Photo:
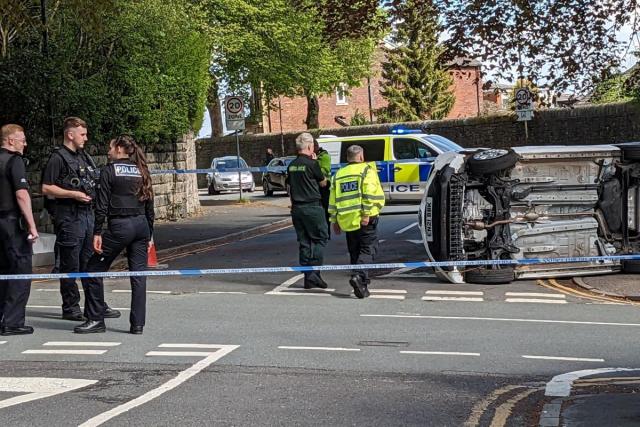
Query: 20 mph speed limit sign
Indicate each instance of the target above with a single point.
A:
(234, 112)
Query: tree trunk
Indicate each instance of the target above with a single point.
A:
(313, 111)
(214, 107)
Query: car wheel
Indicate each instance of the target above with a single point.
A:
(630, 151)
(490, 161)
(488, 276)
(268, 192)
(212, 191)
(631, 266)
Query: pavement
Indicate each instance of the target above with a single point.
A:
(618, 286)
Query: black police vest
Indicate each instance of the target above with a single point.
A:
(124, 199)
(81, 176)
(8, 202)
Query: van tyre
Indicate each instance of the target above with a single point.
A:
(631, 266)
(485, 162)
(630, 151)
(487, 276)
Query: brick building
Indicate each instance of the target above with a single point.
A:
(338, 108)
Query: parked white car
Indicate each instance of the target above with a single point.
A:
(229, 180)
(533, 202)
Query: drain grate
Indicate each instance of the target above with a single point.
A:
(384, 343)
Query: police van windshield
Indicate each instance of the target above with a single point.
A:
(230, 164)
(442, 143)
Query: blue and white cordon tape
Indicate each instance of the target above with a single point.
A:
(393, 265)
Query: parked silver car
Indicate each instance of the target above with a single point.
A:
(533, 202)
(228, 181)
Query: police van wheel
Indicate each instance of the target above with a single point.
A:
(490, 161)
(631, 266)
(487, 276)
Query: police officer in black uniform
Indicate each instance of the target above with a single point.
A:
(305, 179)
(70, 179)
(17, 232)
(125, 201)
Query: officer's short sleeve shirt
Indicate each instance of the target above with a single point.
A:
(18, 175)
(304, 176)
(54, 169)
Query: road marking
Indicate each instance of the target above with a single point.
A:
(81, 344)
(285, 284)
(179, 353)
(498, 319)
(173, 345)
(286, 347)
(534, 294)
(588, 381)
(465, 299)
(407, 228)
(168, 386)
(536, 300)
(479, 408)
(396, 297)
(37, 388)
(503, 411)
(387, 291)
(2, 342)
(57, 306)
(560, 385)
(570, 359)
(128, 291)
(222, 292)
(454, 292)
(77, 352)
(439, 353)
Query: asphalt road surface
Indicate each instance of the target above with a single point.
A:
(251, 349)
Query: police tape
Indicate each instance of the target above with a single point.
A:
(393, 265)
(264, 169)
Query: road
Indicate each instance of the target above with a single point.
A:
(253, 349)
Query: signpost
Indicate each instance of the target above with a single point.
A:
(234, 118)
(524, 107)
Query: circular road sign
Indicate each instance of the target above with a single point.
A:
(234, 104)
(523, 98)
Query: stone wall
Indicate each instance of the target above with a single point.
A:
(605, 124)
(176, 196)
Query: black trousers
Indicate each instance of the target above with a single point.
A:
(324, 194)
(312, 233)
(363, 246)
(15, 258)
(74, 245)
(130, 233)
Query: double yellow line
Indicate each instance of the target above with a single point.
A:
(554, 285)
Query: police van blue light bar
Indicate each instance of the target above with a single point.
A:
(404, 131)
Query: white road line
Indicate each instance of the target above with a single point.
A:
(537, 300)
(387, 291)
(222, 292)
(310, 291)
(454, 292)
(57, 306)
(499, 319)
(128, 291)
(37, 388)
(570, 359)
(440, 353)
(298, 294)
(2, 342)
(463, 299)
(396, 297)
(560, 385)
(407, 228)
(168, 386)
(285, 285)
(180, 353)
(81, 344)
(534, 294)
(174, 345)
(286, 347)
(78, 352)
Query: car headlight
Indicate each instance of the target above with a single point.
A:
(216, 174)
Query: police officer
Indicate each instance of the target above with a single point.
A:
(17, 232)
(324, 160)
(305, 180)
(355, 203)
(70, 178)
(125, 203)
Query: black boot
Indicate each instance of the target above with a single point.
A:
(16, 330)
(359, 288)
(110, 313)
(91, 327)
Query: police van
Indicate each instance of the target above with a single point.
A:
(413, 150)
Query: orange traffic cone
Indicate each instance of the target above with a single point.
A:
(152, 257)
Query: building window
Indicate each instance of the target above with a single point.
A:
(341, 95)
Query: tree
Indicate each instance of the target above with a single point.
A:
(556, 43)
(416, 84)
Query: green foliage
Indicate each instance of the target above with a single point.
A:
(612, 90)
(416, 84)
(358, 119)
(139, 67)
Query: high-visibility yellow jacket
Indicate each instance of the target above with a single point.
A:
(355, 192)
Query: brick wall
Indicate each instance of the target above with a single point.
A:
(467, 88)
(176, 196)
(604, 124)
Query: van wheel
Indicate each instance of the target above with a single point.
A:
(630, 151)
(490, 161)
(631, 266)
(488, 276)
